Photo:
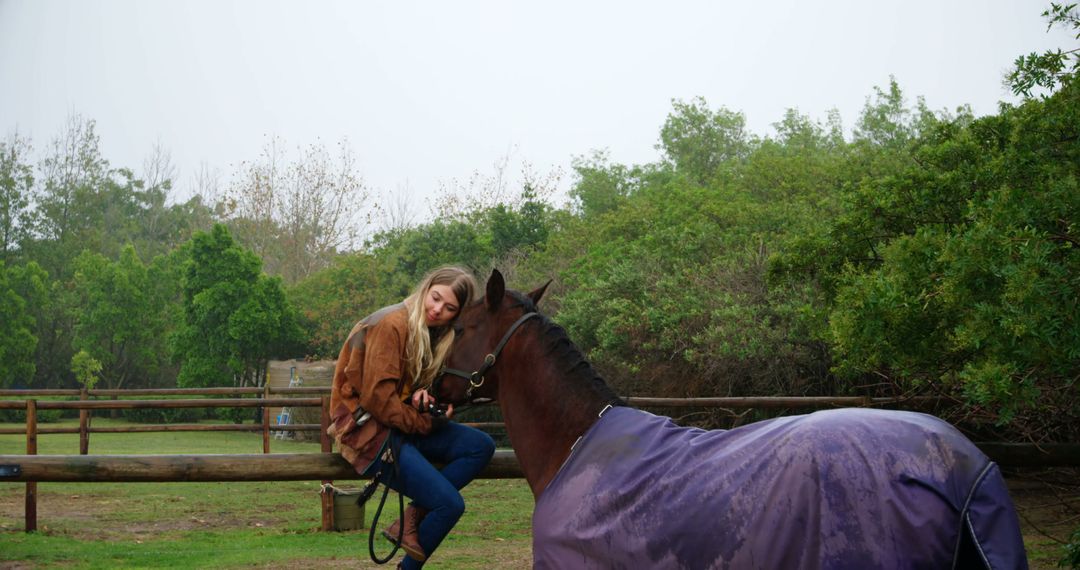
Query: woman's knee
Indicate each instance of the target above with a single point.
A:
(452, 506)
(474, 443)
(485, 446)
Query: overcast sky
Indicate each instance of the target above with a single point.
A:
(429, 92)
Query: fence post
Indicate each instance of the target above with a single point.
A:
(31, 449)
(324, 424)
(266, 416)
(327, 447)
(84, 424)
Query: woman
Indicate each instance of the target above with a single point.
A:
(381, 381)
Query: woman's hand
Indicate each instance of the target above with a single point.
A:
(422, 400)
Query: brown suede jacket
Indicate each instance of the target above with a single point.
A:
(369, 368)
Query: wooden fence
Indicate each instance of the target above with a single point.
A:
(85, 405)
(326, 466)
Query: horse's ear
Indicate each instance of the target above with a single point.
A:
(535, 294)
(496, 289)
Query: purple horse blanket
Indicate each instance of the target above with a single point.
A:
(850, 488)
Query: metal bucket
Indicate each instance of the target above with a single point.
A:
(348, 515)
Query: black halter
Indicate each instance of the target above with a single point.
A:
(476, 379)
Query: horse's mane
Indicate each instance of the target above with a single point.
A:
(572, 363)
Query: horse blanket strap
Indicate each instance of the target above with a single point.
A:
(634, 473)
(476, 379)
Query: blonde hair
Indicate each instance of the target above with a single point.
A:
(423, 359)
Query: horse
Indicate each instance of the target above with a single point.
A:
(616, 487)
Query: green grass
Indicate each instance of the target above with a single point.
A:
(192, 550)
(226, 525)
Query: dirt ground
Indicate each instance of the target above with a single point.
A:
(1048, 502)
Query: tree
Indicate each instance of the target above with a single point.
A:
(16, 183)
(667, 293)
(398, 211)
(884, 184)
(86, 369)
(526, 226)
(298, 215)
(71, 196)
(330, 301)
(457, 201)
(701, 142)
(410, 254)
(264, 326)
(159, 228)
(73, 170)
(67, 200)
(798, 132)
(119, 322)
(954, 271)
(1051, 68)
(81, 203)
(235, 318)
(600, 186)
(804, 160)
(888, 122)
(17, 341)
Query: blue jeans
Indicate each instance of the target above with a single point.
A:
(463, 451)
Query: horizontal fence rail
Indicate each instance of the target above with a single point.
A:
(733, 401)
(166, 404)
(1032, 455)
(203, 468)
(330, 466)
(169, 427)
(34, 393)
(264, 400)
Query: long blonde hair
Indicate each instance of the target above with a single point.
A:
(424, 360)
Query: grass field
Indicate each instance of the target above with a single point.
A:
(227, 525)
(276, 524)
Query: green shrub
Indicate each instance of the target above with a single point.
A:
(1072, 551)
(48, 416)
(163, 415)
(233, 415)
(43, 416)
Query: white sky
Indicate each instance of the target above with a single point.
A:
(433, 91)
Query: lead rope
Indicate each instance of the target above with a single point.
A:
(391, 456)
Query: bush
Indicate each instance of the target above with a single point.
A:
(163, 415)
(233, 415)
(43, 416)
(1072, 551)
(48, 416)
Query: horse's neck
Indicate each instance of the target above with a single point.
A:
(541, 426)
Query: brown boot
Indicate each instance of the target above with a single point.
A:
(410, 539)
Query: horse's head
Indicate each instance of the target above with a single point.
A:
(483, 329)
